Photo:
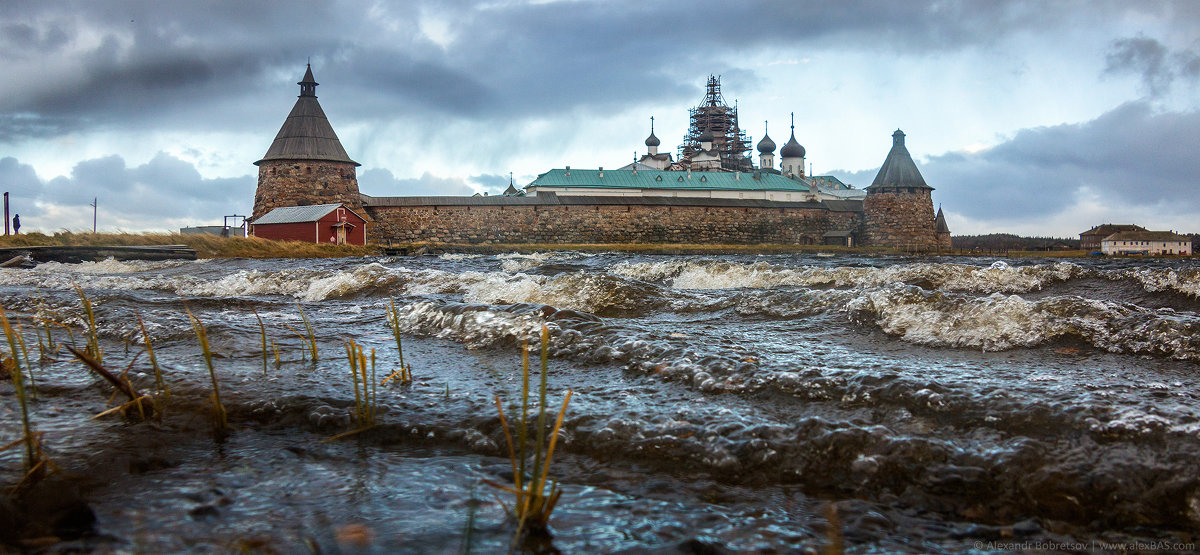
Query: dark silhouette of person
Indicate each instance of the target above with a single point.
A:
(16, 224)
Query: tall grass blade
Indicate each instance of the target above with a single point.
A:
(311, 338)
(262, 330)
(533, 500)
(93, 339)
(32, 447)
(404, 374)
(160, 385)
(220, 422)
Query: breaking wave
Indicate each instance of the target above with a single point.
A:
(712, 274)
(998, 322)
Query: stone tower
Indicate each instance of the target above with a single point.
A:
(306, 164)
(898, 210)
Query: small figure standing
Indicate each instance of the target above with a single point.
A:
(16, 224)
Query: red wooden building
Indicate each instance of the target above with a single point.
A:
(321, 223)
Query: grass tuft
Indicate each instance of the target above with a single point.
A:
(220, 422)
(309, 337)
(534, 496)
(366, 397)
(262, 330)
(34, 459)
(93, 339)
(404, 374)
(162, 393)
(205, 245)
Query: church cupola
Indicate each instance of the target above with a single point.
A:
(766, 150)
(792, 154)
(308, 85)
(652, 142)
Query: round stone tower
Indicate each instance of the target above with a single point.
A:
(306, 164)
(898, 210)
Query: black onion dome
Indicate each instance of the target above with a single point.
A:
(766, 145)
(705, 137)
(652, 140)
(792, 149)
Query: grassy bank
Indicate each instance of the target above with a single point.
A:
(206, 246)
(212, 246)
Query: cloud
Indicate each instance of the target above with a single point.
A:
(21, 182)
(219, 65)
(381, 183)
(154, 195)
(1132, 158)
(1156, 64)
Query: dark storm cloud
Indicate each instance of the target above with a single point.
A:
(22, 185)
(1157, 65)
(156, 65)
(1131, 156)
(164, 187)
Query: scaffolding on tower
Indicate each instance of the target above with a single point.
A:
(721, 120)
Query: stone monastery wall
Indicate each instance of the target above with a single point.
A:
(601, 223)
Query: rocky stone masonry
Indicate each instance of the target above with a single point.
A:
(901, 220)
(304, 183)
(605, 224)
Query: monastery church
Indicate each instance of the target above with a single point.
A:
(712, 193)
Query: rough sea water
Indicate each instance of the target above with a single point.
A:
(745, 403)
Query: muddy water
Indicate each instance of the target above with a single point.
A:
(750, 403)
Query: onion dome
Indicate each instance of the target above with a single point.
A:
(705, 137)
(766, 145)
(652, 140)
(792, 149)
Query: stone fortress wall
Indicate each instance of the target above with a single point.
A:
(593, 220)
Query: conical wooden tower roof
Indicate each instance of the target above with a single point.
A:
(306, 133)
(898, 169)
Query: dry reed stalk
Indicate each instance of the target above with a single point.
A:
(93, 338)
(533, 500)
(220, 422)
(311, 338)
(160, 385)
(262, 330)
(404, 374)
(365, 392)
(33, 449)
(121, 383)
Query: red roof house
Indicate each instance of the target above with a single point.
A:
(320, 223)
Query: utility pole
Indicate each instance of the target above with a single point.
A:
(95, 201)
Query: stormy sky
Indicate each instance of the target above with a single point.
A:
(1037, 118)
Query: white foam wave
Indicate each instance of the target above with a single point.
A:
(478, 327)
(1154, 280)
(111, 266)
(710, 274)
(514, 262)
(998, 322)
(455, 256)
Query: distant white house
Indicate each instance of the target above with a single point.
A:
(1146, 242)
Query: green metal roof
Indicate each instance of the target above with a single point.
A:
(658, 179)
